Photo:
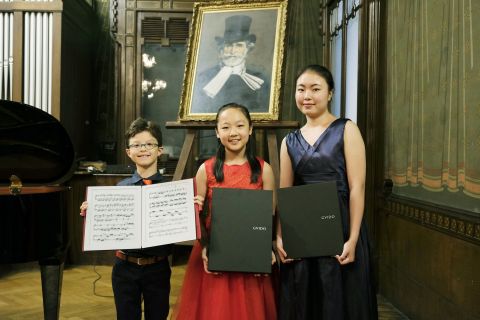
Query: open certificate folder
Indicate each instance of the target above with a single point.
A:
(131, 217)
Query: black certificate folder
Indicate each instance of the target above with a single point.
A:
(311, 221)
(241, 230)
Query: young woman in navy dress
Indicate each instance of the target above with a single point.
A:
(327, 148)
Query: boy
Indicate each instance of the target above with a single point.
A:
(145, 272)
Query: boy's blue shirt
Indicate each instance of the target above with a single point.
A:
(162, 251)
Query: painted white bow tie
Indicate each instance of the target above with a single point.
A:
(216, 84)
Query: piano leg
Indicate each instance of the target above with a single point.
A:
(52, 276)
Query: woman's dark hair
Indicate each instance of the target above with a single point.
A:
(321, 71)
(141, 125)
(249, 151)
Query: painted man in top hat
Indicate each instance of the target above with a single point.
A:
(231, 80)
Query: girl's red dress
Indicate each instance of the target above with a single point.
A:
(231, 295)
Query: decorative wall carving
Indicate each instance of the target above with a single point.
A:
(440, 219)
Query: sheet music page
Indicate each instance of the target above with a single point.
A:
(168, 213)
(113, 219)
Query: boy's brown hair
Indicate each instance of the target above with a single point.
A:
(141, 125)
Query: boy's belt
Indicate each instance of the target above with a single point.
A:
(139, 261)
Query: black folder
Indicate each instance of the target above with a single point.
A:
(311, 220)
(241, 230)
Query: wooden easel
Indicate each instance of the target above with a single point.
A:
(192, 133)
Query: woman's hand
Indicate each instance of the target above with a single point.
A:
(348, 254)
(83, 208)
(281, 252)
(199, 201)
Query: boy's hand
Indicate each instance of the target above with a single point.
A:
(83, 208)
(199, 201)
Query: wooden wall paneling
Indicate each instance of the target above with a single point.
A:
(126, 37)
(428, 256)
(131, 111)
(77, 77)
(127, 18)
(130, 56)
(17, 76)
(56, 63)
(370, 119)
(425, 273)
(128, 108)
(150, 5)
(102, 118)
(37, 6)
(375, 121)
(121, 156)
(139, 67)
(118, 30)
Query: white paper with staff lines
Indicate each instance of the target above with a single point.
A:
(169, 213)
(130, 217)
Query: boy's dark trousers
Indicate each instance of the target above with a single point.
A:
(131, 282)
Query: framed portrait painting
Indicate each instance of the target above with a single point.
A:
(235, 54)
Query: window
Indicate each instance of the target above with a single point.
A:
(343, 20)
(162, 47)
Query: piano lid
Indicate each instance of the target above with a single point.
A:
(34, 146)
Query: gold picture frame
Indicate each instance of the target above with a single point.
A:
(235, 54)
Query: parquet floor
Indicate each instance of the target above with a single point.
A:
(86, 293)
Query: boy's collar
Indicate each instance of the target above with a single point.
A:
(156, 177)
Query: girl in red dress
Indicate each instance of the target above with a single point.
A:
(228, 295)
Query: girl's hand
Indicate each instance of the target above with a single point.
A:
(281, 252)
(274, 259)
(199, 201)
(83, 208)
(205, 262)
(260, 274)
(348, 254)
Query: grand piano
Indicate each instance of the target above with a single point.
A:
(36, 158)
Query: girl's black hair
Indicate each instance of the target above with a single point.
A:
(249, 151)
(321, 71)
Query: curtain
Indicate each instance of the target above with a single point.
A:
(432, 135)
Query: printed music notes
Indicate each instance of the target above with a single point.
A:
(128, 217)
(168, 213)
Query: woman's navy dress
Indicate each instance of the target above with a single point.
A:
(320, 288)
